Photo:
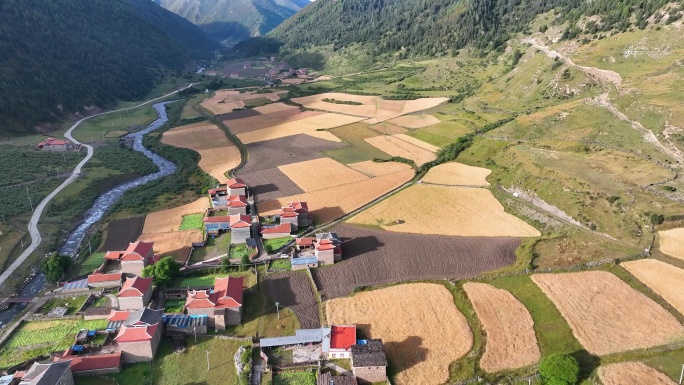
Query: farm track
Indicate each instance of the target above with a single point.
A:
(36, 238)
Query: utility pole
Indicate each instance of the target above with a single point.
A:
(207, 360)
(90, 249)
(681, 376)
(57, 172)
(29, 198)
(278, 309)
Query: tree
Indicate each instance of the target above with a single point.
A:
(55, 266)
(244, 261)
(657, 219)
(559, 369)
(163, 272)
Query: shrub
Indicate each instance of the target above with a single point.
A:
(164, 271)
(55, 266)
(559, 369)
(657, 219)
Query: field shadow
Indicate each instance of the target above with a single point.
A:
(264, 189)
(237, 115)
(354, 247)
(327, 212)
(587, 362)
(411, 344)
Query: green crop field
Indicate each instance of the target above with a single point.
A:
(271, 245)
(295, 378)
(192, 222)
(209, 278)
(358, 150)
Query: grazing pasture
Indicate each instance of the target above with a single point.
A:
(672, 242)
(331, 203)
(169, 220)
(457, 174)
(121, 232)
(511, 341)
(294, 290)
(664, 279)
(373, 169)
(606, 314)
(421, 343)
(398, 147)
(632, 373)
(375, 257)
(311, 125)
(415, 121)
(455, 211)
(321, 173)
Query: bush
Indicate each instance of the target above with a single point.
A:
(55, 266)
(164, 271)
(559, 369)
(657, 219)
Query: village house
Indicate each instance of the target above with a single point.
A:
(188, 324)
(319, 336)
(220, 200)
(329, 379)
(104, 280)
(239, 225)
(47, 373)
(222, 305)
(92, 365)
(52, 144)
(369, 362)
(247, 66)
(324, 249)
(135, 293)
(234, 75)
(139, 333)
(236, 186)
(296, 214)
(277, 231)
(342, 338)
(134, 259)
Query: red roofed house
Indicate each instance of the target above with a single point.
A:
(342, 337)
(223, 305)
(104, 280)
(303, 218)
(52, 144)
(135, 258)
(135, 293)
(89, 365)
(138, 343)
(279, 231)
(240, 228)
(237, 205)
(236, 186)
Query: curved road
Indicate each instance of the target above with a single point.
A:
(33, 223)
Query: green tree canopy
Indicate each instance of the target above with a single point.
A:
(55, 266)
(559, 369)
(164, 271)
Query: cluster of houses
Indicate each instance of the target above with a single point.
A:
(312, 252)
(229, 211)
(367, 356)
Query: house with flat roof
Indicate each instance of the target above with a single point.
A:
(188, 324)
(222, 305)
(135, 293)
(302, 337)
(369, 362)
(342, 338)
(48, 373)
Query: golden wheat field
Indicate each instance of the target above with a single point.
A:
(421, 343)
(672, 242)
(441, 210)
(170, 220)
(632, 373)
(320, 173)
(606, 315)
(310, 126)
(511, 340)
(225, 101)
(274, 107)
(457, 174)
(414, 121)
(664, 279)
(373, 169)
(332, 203)
(217, 154)
(417, 142)
(172, 241)
(398, 147)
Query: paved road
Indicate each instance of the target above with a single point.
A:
(33, 223)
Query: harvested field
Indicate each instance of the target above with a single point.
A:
(385, 128)
(294, 291)
(511, 340)
(321, 173)
(225, 101)
(176, 244)
(455, 211)
(278, 152)
(218, 154)
(372, 107)
(274, 107)
(375, 257)
(664, 279)
(309, 126)
(358, 150)
(170, 220)
(457, 174)
(269, 184)
(373, 169)
(121, 232)
(415, 121)
(397, 147)
(632, 373)
(258, 122)
(672, 242)
(417, 142)
(420, 344)
(334, 202)
(606, 314)
(241, 114)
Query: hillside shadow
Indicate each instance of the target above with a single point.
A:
(587, 362)
(411, 344)
(226, 30)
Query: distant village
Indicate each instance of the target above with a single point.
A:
(266, 69)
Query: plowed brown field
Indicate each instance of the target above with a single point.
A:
(397, 147)
(511, 340)
(672, 242)
(278, 152)
(664, 279)
(415, 121)
(606, 314)
(420, 343)
(120, 232)
(456, 211)
(170, 220)
(457, 174)
(376, 257)
(309, 126)
(294, 291)
(269, 184)
(320, 173)
(632, 373)
(331, 203)
(225, 101)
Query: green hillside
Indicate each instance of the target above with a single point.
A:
(62, 55)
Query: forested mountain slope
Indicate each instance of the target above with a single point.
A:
(62, 55)
(235, 20)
